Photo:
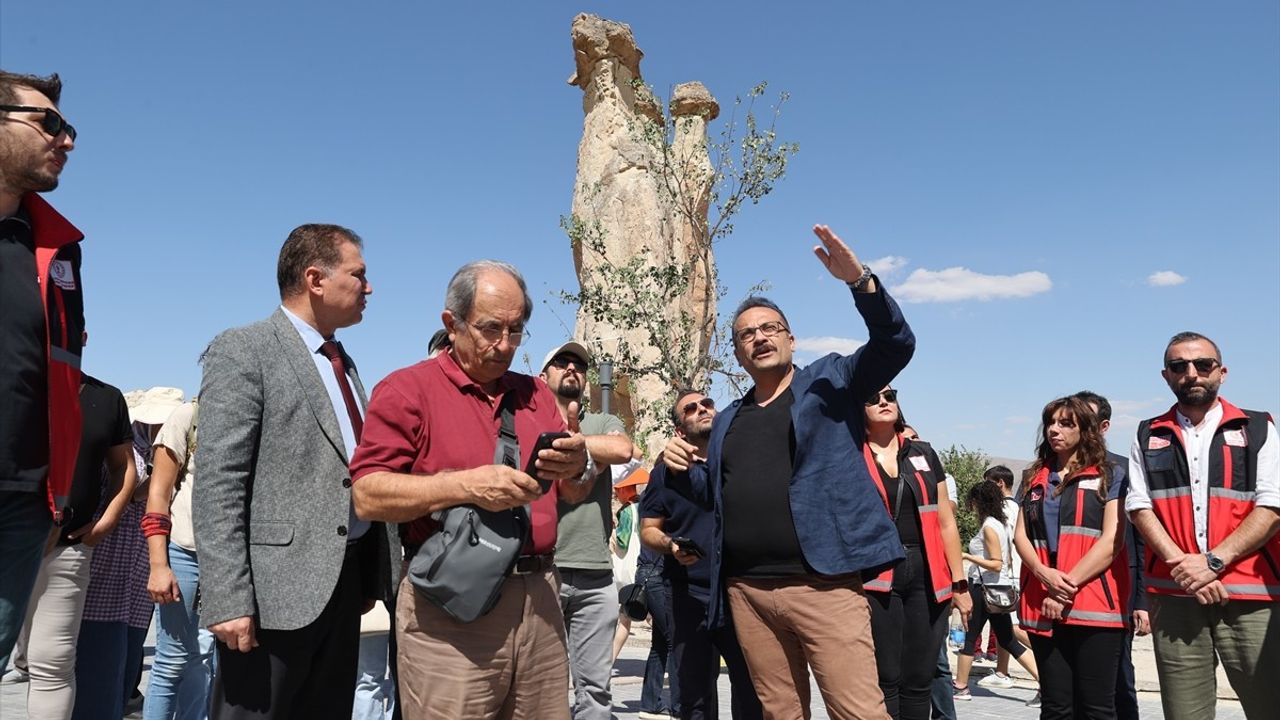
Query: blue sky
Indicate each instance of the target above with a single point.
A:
(1060, 155)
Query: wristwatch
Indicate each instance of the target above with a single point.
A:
(1215, 563)
(589, 471)
(863, 279)
(960, 586)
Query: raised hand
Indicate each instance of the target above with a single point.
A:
(836, 257)
(678, 454)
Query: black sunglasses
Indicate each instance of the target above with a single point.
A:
(1204, 366)
(53, 123)
(692, 406)
(889, 395)
(563, 361)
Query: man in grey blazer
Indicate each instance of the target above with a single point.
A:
(286, 567)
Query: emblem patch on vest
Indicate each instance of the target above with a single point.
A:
(62, 275)
(1090, 484)
(1235, 438)
(1157, 443)
(920, 463)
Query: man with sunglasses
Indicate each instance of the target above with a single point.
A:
(40, 338)
(587, 595)
(799, 520)
(1204, 491)
(677, 505)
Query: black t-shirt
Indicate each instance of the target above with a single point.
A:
(671, 497)
(24, 385)
(756, 462)
(908, 519)
(106, 425)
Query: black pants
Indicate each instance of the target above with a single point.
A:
(1126, 688)
(698, 651)
(1078, 671)
(1001, 625)
(908, 628)
(304, 673)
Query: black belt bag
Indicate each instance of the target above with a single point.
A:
(461, 567)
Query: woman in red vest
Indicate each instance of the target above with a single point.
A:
(1075, 579)
(910, 603)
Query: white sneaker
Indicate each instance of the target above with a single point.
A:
(996, 680)
(15, 675)
(646, 715)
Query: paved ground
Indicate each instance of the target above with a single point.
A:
(1006, 704)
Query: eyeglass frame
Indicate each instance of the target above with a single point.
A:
(1213, 364)
(60, 123)
(515, 338)
(889, 394)
(692, 406)
(746, 334)
(564, 360)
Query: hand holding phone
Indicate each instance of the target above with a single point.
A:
(544, 443)
(689, 546)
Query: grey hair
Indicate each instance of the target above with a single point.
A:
(756, 301)
(461, 295)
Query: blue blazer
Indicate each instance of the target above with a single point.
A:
(839, 516)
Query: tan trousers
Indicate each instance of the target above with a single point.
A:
(511, 663)
(47, 643)
(1191, 638)
(788, 626)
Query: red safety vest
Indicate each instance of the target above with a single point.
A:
(1233, 469)
(64, 312)
(926, 472)
(1101, 602)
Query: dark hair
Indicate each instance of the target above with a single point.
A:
(313, 245)
(439, 341)
(987, 499)
(1096, 400)
(756, 301)
(999, 474)
(460, 296)
(1092, 451)
(50, 86)
(1188, 336)
(676, 415)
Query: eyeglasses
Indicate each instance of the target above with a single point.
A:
(890, 396)
(768, 329)
(493, 333)
(692, 406)
(1203, 366)
(564, 361)
(53, 123)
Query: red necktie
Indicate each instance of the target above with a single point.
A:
(333, 351)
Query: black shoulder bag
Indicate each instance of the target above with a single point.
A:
(461, 567)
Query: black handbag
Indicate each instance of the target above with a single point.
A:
(461, 567)
(633, 602)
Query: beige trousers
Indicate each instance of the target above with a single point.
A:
(790, 626)
(47, 643)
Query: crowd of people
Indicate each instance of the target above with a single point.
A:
(805, 530)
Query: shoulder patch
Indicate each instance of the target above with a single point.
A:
(62, 275)
(920, 463)
(1157, 443)
(1235, 438)
(1089, 484)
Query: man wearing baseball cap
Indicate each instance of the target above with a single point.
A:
(587, 595)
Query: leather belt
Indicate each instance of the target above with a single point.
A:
(528, 564)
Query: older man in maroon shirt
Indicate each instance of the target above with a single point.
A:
(429, 438)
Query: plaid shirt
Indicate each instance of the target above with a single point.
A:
(118, 574)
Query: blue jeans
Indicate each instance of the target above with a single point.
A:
(661, 660)
(182, 670)
(24, 527)
(100, 670)
(942, 694)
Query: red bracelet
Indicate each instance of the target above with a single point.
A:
(156, 524)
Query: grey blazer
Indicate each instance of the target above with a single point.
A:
(272, 505)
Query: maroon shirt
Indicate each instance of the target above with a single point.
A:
(431, 417)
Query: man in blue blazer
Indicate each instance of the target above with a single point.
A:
(798, 520)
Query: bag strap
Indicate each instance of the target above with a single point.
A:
(507, 451)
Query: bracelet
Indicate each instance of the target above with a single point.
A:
(863, 279)
(156, 524)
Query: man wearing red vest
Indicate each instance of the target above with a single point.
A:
(1205, 494)
(40, 331)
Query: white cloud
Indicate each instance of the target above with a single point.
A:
(887, 264)
(1165, 278)
(826, 344)
(957, 284)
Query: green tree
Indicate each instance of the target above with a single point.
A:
(966, 466)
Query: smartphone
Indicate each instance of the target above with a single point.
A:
(689, 546)
(544, 443)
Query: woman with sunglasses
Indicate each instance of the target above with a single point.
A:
(911, 602)
(1075, 578)
(991, 556)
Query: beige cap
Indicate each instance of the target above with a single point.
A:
(152, 406)
(572, 347)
